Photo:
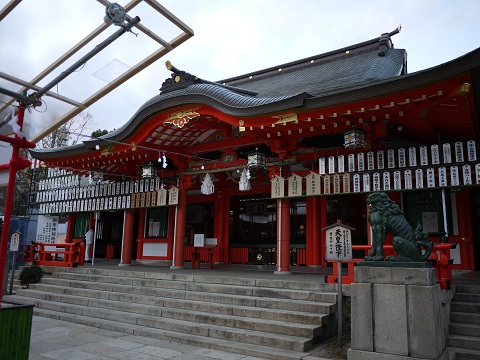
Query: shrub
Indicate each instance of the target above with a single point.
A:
(31, 275)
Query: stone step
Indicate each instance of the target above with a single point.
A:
(467, 297)
(467, 318)
(252, 350)
(309, 306)
(201, 315)
(467, 288)
(465, 329)
(283, 317)
(207, 279)
(248, 336)
(466, 307)
(464, 342)
(266, 312)
(464, 354)
(243, 287)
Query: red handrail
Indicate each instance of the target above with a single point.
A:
(440, 257)
(65, 255)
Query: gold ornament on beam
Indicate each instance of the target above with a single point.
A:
(286, 118)
(180, 118)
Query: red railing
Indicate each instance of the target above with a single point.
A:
(199, 255)
(440, 258)
(65, 255)
(301, 256)
(238, 256)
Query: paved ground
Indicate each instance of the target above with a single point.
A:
(57, 339)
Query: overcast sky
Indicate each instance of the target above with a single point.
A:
(232, 37)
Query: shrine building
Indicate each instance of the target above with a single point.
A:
(255, 166)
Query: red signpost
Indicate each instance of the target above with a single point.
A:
(16, 163)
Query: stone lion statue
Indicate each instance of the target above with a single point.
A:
(386, 217)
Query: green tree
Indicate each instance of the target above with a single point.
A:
(98, 133)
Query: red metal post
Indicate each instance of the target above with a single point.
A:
(9, 199)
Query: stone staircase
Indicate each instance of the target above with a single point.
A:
(464, 338)
(268, 318)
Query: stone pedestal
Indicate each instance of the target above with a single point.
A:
(396, 314)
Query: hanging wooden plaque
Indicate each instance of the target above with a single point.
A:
(376, 182)
(419, 178)
(412, 156)
(402, 160)
(471, 150)
(277, 187)
(341, 164)
(361, 161)
(391, 158)
(162, 197)
(435, 153)
(331, 164)
(366, 182)
(351, 162)
(459, 152)
(173, 195)
(295, 185)
(336, 184)
(346, 183)
(454, 176)
(370, 160)
(423, 156)
(467, 175)
(356, 183)
(381, 159)
(326, 184)
(447, 154)
(430, 177)
(321, 166)
(442, 176)
(148, 198)
(386, 181)
(313, 184)
(408, 179)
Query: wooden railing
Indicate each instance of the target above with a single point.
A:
(65, 255)
(238, 256)
(440, 258)
(199, 255)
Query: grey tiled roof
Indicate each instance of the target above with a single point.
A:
(330, 77)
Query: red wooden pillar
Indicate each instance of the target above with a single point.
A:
(70, 227)
(283, 236)
(222, 206)
(465, 230)
(181, 223)
(128, 237)
(141, 232)
(314, 232)
(226, 228)
(171, 231)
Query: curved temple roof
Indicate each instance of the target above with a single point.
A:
(335, 90)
